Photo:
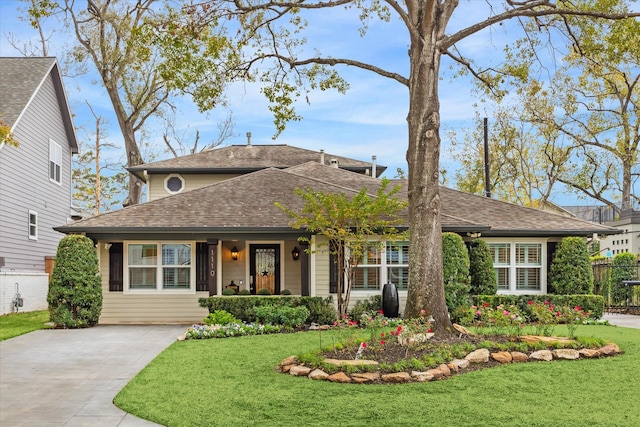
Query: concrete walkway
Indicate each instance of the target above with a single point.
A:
(625, 320)
(70, 377)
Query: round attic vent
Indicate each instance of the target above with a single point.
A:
(174, 184)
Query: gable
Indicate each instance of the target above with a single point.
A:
(20, 81)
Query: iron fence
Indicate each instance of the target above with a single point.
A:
(619, 285)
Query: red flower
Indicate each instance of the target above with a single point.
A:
(380, 312)
(382, 342)
(530, 303)
(546, 303)
(428, 331)
(486, 304)
(382, 334)
(577, 308)
(364, 345)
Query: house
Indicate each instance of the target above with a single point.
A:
(628, 240)
(35, 177)
(193, 240)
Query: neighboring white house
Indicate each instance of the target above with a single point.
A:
(628, 240)
(35, 177)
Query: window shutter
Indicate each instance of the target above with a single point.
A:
(116, 267)
(202, 276)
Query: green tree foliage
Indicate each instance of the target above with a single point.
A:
(455, 267)
(6, 137)
(583, 113)
(118, 38)
(623, 267)
(483, 276)
(353, 224)
(571, 271)
(75, 289)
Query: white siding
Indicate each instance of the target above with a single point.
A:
(120, 308)
(155, 182)
(25, 185)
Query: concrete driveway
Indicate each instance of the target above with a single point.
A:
(70, 377)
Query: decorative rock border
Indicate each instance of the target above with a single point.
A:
(291, 366)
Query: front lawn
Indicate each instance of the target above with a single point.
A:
(232, 382)
(12, 325)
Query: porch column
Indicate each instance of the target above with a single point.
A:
(212, 260)
(304, 270)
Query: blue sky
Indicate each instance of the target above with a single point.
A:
(369, 120)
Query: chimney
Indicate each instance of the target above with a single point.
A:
(322, 157)
(248, 139)
(334, 163)
(374, 172)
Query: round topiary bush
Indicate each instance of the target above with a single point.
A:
(75, 289)
(455, 268)
(263, 291)
(571, 271)
(483, 276)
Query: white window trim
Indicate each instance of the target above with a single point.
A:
(384, 272)
(32, 236)
(166, 183)
(53, 148)
(159, 289)
(513, 266)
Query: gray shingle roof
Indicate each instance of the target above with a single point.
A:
(20, 79)
(246, 204)
(248, 158)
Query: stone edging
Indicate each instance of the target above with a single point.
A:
(291, 366)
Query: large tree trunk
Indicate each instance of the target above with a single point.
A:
(426, 287)
(134, 158)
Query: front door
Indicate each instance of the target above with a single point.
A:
(265, 268)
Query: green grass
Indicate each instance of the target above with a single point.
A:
(12, 325)
(232, 382)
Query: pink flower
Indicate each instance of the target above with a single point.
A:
(506, 313)
(546, 303)
(422, 312)
(335, 323)
(577, 308)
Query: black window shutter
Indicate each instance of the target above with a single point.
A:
(116, 267)
(202, 274)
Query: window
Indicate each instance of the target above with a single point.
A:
(55, 162)
(33, 225)
(398, 264)
(501, 255)
(174, 184)
(367, 274)
(172, 270)
(383, 265)
(518, 266)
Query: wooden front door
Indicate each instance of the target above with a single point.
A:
(265, 268)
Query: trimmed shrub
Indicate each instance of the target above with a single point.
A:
(321, 310)
(263, 291)
(594, 304)
(571, 271)
(623, 267)
(244, 292)
(228, 292)
(220, 317)
(285, 292)
(455, 266)
(373, 304)
(483, 276)
(283, 315)
(75, 289)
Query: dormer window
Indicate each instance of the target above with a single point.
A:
(174, 184)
